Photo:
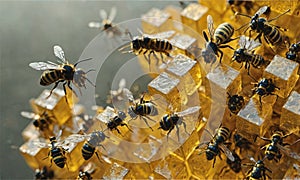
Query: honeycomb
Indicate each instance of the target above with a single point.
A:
(137, 152)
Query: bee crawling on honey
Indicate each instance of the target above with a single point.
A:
(258, 170)
(272, 34)
(235, 103)
(174, 119)
(245, 54)
(142, 109)
(107, 23)
(294, 52)
(217, 144)
(217, 40)
(150, 44)
(64, 73)
(85, 173)
(265, 87)
(275, 145)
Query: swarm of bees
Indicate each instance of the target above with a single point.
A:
(150, 46)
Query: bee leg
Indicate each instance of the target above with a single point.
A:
(98, 157)
(50, 163)
(169, 132)
(124, 124)
(258, 37)
(177, 132)
(118, 131)
(221, 55)
(69, 85)
(184, 126)
(263, 147)
(214, 162)
(147, 123)
(55, 86)
(147, 58)
(157, 60)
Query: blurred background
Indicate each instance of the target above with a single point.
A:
(28, 31)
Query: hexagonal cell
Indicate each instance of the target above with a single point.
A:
(284, 74)
(156, 20)
(194, 16)
(291, 110)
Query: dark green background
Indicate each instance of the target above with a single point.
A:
(28, 31)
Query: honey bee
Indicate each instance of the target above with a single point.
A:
(238, 4)
(293, 53)
(265, 87)
(272, 150)
(235, 166)
(217, 40)
(41, 122)
(148, 44)
(143, 109)
(86, 172)
(43, 173)
(171, 120)
(217, 145)
(57, 151)
(258, 170)
(107, 23)
(241, 142)
(245, 54)
(272, 34)
(66, 72)
(235, 103)
(92, 140)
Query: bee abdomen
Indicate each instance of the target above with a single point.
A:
(223, 33)
(87, 151)
(257, 60)
(49, 77)
(60, 161)
(274, 36)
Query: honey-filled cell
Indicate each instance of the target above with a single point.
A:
(74, 155)
(194, 17)
(156, 20)
(291, 110)
(188, 72)
(54, 105)
(283, 72)
(251, 121)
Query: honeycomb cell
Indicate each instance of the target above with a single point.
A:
(167, 86)
(184, 45)
(55, 105)
(251, 121)
(291, 110)
(116, 171)
(156, 20)
(283, 72)
(192, 17)
(187, 71)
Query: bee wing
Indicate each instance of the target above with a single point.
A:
(96, 25)
(161, 35)
(189, 110)
(262, 10)
(41, 143)
(248, 43)
(210, 26)
(29, 115)
(42, 66)
(74, 138)
(289, 152)
(113, 13)
(122, 83)
(103, 14)
(227, 152)
(59, 53)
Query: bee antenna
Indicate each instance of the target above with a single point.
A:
(82, 61)
(90, 81)
(240, 14)
(90, 71)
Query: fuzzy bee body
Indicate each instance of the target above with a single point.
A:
(293, 53)
(235, 103)
(257, 171)
(57, 154)
(265, 87)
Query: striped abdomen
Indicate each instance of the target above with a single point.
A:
(87, 150)
(50, 76)
(58, 157)
(257, 60)
(161, 45)
(222, 135)
(223, 33)
(273, 35)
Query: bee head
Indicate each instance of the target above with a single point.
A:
(237, 56)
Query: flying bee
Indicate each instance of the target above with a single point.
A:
(265, 87)
(235, 103)
(42, 122)
(217, 40)
(151, 44)
(107, 23)
(57, 150)
(258, 170)
(272, 34)
(143, 109)
(272, 150)
(245, 54)
(66, 72)
(92, 140)
(171, 120)
(43, 173)
(217, 144)
(293, 53)
(86, 172)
